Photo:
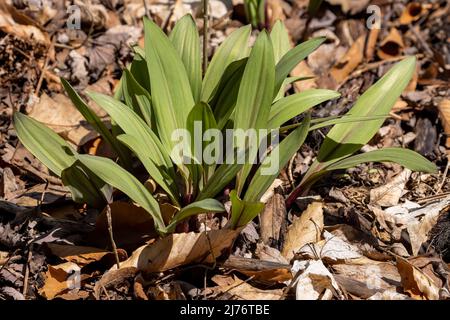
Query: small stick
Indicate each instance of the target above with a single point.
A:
(205, 35)
(147, 11)
(27, 273)
(111, 237)
(444, 176)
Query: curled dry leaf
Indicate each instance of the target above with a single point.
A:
(180, 249)
(27, 31)
(349, 61)
(416, 283)
(391, 46)
(60, 279)
(244, 291)
(304, 229)
(315, 281)
(389, 194)
(413, 11)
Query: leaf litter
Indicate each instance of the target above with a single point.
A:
(376, 232)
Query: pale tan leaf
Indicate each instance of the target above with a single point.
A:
(315, 282)
(389, 194)
(416, 283)
(244, 291)
(180, 249)
(305, 229)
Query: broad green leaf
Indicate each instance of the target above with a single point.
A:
(405, 157)
(225, 100)
(235, 47)
(57, 155)
(52, 150)
(171, 93)
(85, 186)
(292, 58)
(255, 93)
(280, 40)
(287, 108)
(275, 161)
(133, 125)
(158, 174)
(345, 139)
(200, 120)
(119, 178)
(185, 39)
(203, 206)
(242, 212)
(139, 70)
(137, 98)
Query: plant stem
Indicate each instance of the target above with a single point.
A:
(111, 237)
(205, 35)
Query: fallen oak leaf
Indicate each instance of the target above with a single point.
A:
(180, 249)
(415, 282)
(303, 230)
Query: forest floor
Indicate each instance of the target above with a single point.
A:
(377, 231)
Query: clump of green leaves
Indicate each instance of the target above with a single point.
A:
(163, 91)
(255, 11)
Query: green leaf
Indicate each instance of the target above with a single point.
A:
(292, 58)
(280, 40)
(225, 100)
(345, 139)
(121, 179)
(200, 120)
(242, 212)
(57, 155)
(158, 174)
(279, 157)
(92, 118)
(235, 47)
(203, 206)
(52, 150)
(85, 186)
(287, 108)
(255, 93)
(137, 98)
(286, 82)
(171, 93)
(405, 157)
(138, 69)
(133, 125)
(186, 41)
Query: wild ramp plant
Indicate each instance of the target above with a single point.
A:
(163, 91)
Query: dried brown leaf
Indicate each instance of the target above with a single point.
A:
(305, 229)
